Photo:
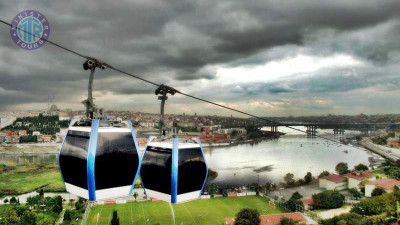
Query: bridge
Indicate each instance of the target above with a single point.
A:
(338, 128)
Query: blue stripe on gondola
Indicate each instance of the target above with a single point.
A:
(91, 160)
(174, 170)
(205, 161)
(138, 154)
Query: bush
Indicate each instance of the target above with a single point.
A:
(355, 193)
(348, 219)
(378, 191)
(247, 217)
(287, 221)
(328, 200)
(370, 206)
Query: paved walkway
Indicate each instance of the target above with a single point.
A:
(334, 212)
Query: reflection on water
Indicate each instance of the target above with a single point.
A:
(269, 161)
(22, 159)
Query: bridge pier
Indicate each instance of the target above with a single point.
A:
(337, 131)
(311, 131)
(274, 128)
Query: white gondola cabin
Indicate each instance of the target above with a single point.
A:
(99, 159)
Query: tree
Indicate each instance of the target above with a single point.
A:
(295, 205)
(342, 168)
(5, 200)
(80, 204)
(296, 195)
(11, 217)
(289, 179)
(378, 191)
(308, 178)
(67, 215)
(247, 217)
(115, 219)
(213, 189)
(361, 167)
(324, 174)
(287, 221)
(41, 193)
(135, 195)
(75, 214)
(328, 200)
(57, 209)
(28, 218)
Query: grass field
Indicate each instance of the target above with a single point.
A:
(205, 211)
(24, 179)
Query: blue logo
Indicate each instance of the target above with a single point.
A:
(30, 29)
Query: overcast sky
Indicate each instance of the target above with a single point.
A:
(270, 58)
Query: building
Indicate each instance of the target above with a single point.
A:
(386, 184)
(393, 142)
(46, 138)
(22, 133)
(240, 131)
(355, 178)
(275, 219)
(308, 203)
(333, 182)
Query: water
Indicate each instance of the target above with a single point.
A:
(26, 159)
(266, 161)
(269, 161)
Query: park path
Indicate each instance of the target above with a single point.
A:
(334, 212)
(61, 219)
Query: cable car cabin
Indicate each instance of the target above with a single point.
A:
(99, 159)
(174, 170)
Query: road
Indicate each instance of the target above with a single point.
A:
(392, 154)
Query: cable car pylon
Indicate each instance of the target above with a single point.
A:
(162, 92)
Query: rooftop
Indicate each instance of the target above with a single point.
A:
(385, 183)
(309, 201)
(334, 178)
(359, 175)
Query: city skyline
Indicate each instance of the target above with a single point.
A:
(267, 58)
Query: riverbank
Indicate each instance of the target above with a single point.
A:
(235, 142)
(392, 155)
(31, 148)
(16, 180)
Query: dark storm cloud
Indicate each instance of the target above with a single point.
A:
(177, 41)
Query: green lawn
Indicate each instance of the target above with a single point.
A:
(24, 179)
(205, 211)
(140, 213)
